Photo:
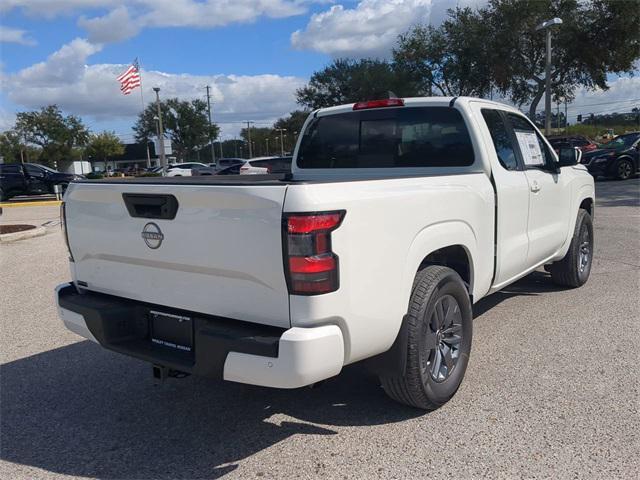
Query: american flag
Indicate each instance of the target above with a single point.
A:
(130, 78)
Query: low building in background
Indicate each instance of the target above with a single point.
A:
(134, 156)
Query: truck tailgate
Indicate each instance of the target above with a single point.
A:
(220, 255)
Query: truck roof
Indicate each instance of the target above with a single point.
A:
(420, 102)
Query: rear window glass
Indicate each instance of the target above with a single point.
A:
(9, 169)
(387, 138)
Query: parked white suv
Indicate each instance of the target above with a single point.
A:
(399, 215)
(266, 165)
(188, 169)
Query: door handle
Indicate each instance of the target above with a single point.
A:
(535, 188)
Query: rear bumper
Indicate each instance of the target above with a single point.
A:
(222, 348)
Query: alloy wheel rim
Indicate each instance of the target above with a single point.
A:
(584, 257)
(624, 170)
(443, 338)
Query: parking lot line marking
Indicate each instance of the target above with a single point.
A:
(43, 203)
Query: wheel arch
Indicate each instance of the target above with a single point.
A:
(452, 244)
(585, 199)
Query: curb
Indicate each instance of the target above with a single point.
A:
(14, 237)
(42, 203)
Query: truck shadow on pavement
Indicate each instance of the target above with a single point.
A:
(532, 285)
(83, 411)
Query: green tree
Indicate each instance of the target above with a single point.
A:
(597, 38)
(104, 146)
(186, 123)
(293, 126)
(261, 139)
(11, 147)
(449, 60)
(346, 81)
(58, 136)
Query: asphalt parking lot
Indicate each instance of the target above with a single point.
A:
(552, 389)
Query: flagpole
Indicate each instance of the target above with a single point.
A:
(142, 101)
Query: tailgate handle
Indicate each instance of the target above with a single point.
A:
(157, 206)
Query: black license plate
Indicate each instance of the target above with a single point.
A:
(172, 331)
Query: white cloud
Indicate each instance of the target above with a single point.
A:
(93, 92)
(214, 13)
(15, 35)
(52, 8)
(7, 119)
(372, 27)
(622, 96)
(125, 18)
(63, 67)
(115, 26)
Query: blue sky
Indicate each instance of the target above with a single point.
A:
(253, 53)
(257, 47)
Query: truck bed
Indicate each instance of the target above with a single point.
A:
(276, 179)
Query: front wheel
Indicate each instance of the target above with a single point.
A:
(438, 340)
(574, 269)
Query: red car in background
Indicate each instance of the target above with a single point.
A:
(580, 141)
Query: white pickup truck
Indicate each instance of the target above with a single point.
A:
(398, 215)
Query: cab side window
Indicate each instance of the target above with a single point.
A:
(533, 149)
(10, 168)
(502, 140)
(34, 171)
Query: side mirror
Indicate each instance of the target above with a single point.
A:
(569, 156)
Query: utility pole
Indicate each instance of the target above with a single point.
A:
(566, 125)
(249, 138)
(558, 114)
(163, 159)
(281, 130)
(267, 142)
(213, 153)
(547, 71)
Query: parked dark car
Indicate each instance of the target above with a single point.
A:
(223, 163)
(31, 179)
(583, 143)
(620, 158)
(230, 170)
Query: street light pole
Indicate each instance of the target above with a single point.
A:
(249, 139)
(547, 69)
(163, 159)
(281, 130)
(213, 152)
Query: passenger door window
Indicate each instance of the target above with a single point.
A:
(34, 171)
(533, 149)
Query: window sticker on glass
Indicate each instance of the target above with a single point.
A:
(530, 148)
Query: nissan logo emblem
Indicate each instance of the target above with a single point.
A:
(152, 235)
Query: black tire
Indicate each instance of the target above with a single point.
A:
(574, 269)
(434, 287)
(624, 169)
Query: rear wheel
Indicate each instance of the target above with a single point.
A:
(624, 169)
(438, 340)
(574, 269)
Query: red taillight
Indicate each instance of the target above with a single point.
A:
(387, 102)
(313, 222)
(315, 264)
(310, 265)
